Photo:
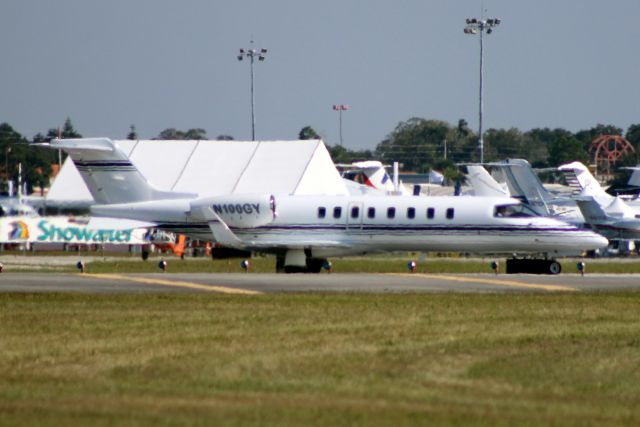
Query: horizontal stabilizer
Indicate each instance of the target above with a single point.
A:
(591, 210)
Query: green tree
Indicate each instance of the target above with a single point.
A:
(175, 134)
(415, 143)
(567, 149)
(195, 134)
(170, 134)
(308, 132)
(36, 162)
(536, 143)
(633, 136)
(503, 143)
(587, 136)
(340, 154)
(67, 131)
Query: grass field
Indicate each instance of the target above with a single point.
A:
(311, 359)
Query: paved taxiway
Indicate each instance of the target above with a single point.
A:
(248, 283)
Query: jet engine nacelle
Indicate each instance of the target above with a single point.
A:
(236, 210)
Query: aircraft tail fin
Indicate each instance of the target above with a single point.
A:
(579, 178)
(483, 183)
(634, 179)
(109, 174)
(523, 183)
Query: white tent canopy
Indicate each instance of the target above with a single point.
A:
(211, 168)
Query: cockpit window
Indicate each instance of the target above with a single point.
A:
(516, 210)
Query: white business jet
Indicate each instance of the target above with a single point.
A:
(302, 231)
(607, 214)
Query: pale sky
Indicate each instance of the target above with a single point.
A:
(160, 64)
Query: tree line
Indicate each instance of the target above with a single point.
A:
(419, 144)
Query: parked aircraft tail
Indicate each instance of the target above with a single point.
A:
(109, 174)
(579, 178)
(483, 183)
(634, 179)
(522, 183)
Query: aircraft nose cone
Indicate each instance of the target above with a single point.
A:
(599, 241)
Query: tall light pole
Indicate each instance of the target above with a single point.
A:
(480, 26)
(340, 108)
(252, 53)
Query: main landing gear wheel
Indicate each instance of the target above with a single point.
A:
(555, 267)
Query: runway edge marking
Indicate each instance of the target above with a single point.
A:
(176, 283)
(511, 283)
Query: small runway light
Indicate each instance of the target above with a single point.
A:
(495, 266)
(327, 266)
(245, 265)
(80, 266)
(581, 267)
(411, 265)
(162, 265)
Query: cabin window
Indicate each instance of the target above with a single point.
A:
(450, 213)
(337, 212)
(371, 213)
(322, 212)
(513, 211)
(355, 212)
(411, 213)
(431, 213)
(391, 213)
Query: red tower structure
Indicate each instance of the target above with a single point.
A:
(607, 150)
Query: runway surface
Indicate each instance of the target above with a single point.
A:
(252, 284)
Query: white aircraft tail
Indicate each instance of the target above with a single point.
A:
(634, 179)
(522, 183)
(109, 174)
(374, 175)
(483, 183)
(579, 178)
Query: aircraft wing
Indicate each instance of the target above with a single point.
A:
(225, 236)
(118, 223)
